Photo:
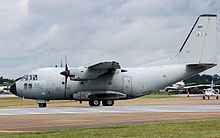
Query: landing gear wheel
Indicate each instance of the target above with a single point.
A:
(216, 97)
(42, 105)
(203, 97)
(208, 97)
(94, 103)
(108, 102)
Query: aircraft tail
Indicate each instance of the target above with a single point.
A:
(212, 84)
(200, 45)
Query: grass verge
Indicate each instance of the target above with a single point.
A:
(17, 101)
(210, 128)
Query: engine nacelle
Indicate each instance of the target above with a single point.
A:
(83, 74)
(216, 90)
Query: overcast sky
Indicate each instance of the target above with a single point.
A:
(38, 33)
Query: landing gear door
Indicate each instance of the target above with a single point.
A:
(127, 85)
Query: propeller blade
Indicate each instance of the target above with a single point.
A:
(65, 87)
(66, 74)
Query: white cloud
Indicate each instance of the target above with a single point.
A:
(39, 33)
(24, 6)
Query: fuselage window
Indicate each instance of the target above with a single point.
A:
(25, 85)
(29, 86)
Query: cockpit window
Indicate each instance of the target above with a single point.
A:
(24, 78)
(34, 77)
(29, 77)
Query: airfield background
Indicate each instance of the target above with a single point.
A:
(195, 80)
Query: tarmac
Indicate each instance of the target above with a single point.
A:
(111, 109)
(129, 112)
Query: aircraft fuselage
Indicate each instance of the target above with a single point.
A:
(133, 83)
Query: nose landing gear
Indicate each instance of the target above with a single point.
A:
(42, 103)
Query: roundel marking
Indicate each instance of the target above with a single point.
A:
(164, 75)
(142, 85)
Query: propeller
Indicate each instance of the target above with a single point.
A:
(66, 74)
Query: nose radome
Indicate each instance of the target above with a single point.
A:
(13, 89)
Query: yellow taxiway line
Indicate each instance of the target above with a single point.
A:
(13, 131)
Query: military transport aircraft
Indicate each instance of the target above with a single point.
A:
(176, 86)
(107, 81)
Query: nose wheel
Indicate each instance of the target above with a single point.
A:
(42, 105)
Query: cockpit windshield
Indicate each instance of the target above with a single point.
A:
(29, 78)
(209, 91)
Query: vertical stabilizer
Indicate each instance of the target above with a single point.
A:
(212, 84)
(200, 45)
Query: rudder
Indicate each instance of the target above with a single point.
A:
(200, 45)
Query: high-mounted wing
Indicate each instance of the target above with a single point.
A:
(92, 72)
(200, 86)
(106, 66)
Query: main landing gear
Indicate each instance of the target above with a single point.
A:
(209, 97)
(104, 102)
(204, 97)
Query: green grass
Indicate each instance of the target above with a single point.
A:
(17, 101)
(180, 130)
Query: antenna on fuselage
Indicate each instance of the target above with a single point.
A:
(61, 63)
(212, 84)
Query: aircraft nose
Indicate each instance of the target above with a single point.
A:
(13, 89)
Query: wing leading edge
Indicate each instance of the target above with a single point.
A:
(94, 71)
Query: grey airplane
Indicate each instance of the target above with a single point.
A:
(106, 81)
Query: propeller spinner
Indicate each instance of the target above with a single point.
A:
(66, 74)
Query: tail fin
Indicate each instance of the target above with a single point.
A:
(212, 84)
(200, 45)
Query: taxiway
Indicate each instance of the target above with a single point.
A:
(69, 115)
(111, 109)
